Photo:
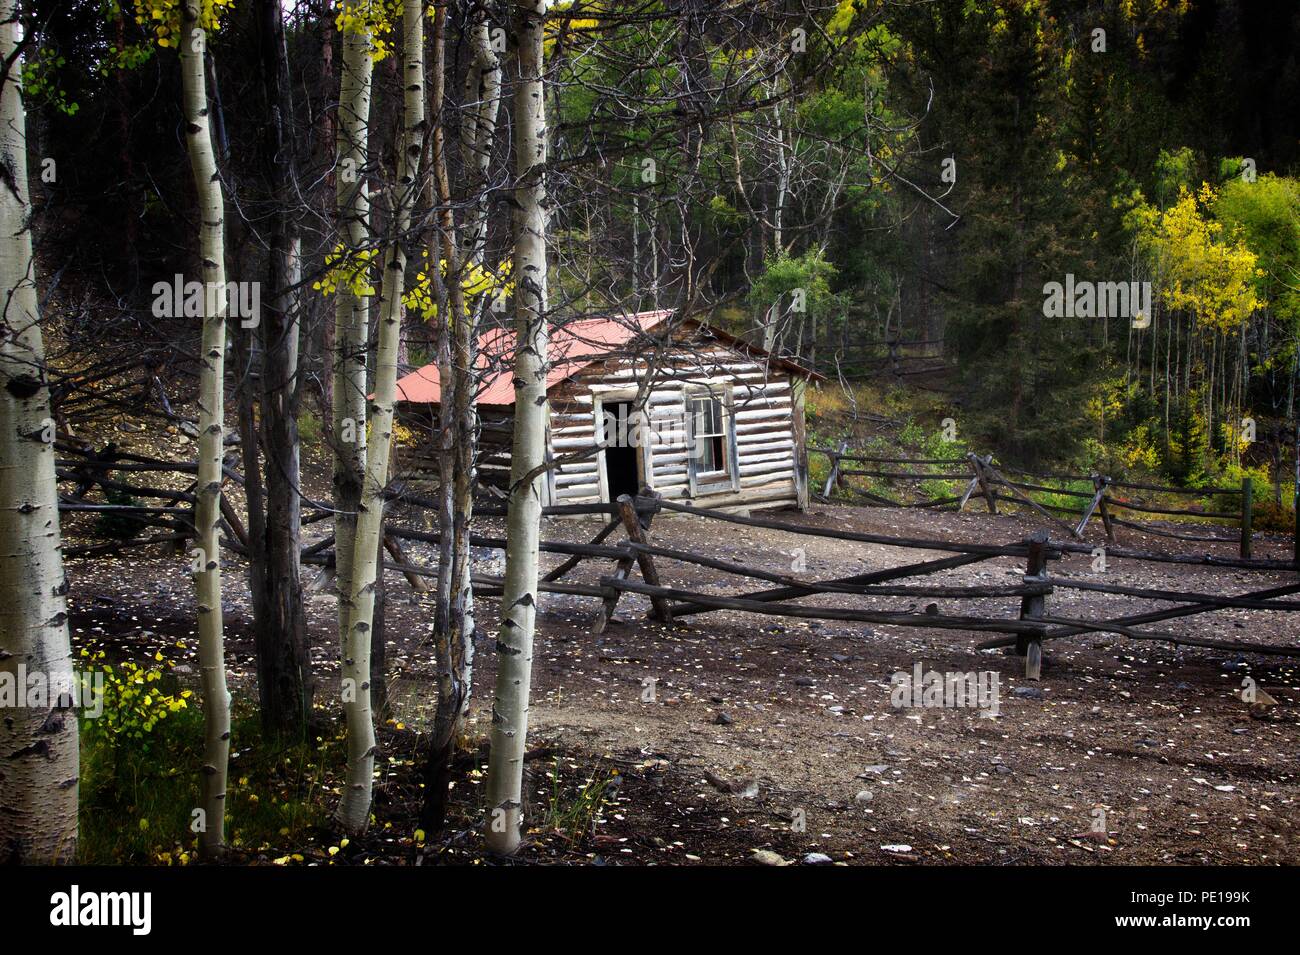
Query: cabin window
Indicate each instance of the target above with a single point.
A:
(711, 436)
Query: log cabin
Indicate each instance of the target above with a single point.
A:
(650, 400)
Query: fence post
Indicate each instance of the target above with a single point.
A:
(1033, 606)
(1101, 483)
(1247, 516)
(833, 479)
(637, 535)
(977, 465)
(1098, 491)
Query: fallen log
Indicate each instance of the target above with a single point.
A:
(109, 547)
(164, 494)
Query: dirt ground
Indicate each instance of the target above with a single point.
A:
(778, 734)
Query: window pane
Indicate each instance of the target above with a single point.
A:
(709, 426)
(700, 410)
(707, 461)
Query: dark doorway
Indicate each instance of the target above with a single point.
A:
(621, 472)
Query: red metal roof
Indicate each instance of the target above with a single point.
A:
(572, 347)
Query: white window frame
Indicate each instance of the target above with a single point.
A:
(728, 478)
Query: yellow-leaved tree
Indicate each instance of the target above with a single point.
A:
(1202, 270)
(1207, 274)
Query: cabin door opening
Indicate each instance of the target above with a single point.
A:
(622, 471)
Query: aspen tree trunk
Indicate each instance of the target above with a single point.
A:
(354, 809)
(350, 311)
(325, 142)
(283, 657)
(438, 756)
(454, 625)
(285, 679)
(207, 512)
(477, 141)
(519, 597)
(38, 743)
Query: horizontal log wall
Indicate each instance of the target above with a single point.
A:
(766, 447)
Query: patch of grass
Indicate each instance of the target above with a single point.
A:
(138, 794)
(309, 428)
(573, 814)
(1064, 500)
(935, 489)
(1268, 515)
(819, 468)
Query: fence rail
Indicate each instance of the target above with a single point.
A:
(988, 481)
(1025, 632)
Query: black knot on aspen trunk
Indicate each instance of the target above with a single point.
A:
(39, 748)
(23, 387)
(506, 650)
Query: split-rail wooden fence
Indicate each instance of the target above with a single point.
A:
(987, 480)
(631, 519)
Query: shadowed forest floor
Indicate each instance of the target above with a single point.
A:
(779, 735)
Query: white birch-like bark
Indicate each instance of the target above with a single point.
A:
(483, 89)
(38, 736)
(351, 312)
(519, 597)
(454, 627)
(354, 809)
(207, 511)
